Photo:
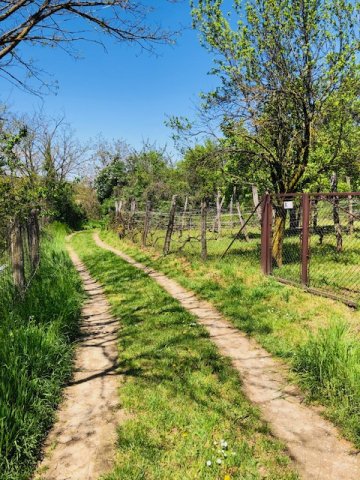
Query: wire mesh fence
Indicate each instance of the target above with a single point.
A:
(314, 240)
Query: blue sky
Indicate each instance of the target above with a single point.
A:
(125, 93)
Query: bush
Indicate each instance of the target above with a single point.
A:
(36, 357)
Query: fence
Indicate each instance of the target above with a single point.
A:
(314, 240)
(193, 230)
(19, 253)
(311, 240)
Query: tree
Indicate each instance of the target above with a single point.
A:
(54, 23)
(280, 63)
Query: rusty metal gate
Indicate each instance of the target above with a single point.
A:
(313, 240)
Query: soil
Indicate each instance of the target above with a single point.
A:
(313, 443)
(81, 445)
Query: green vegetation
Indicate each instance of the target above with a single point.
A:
(280, 318)
(182, 396)
(36, 350)
(329, 364)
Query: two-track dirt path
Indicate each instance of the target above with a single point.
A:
(81, 446)
(313, 443)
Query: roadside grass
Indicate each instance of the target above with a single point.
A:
(182, 396)
(36, 337)
(287, 321)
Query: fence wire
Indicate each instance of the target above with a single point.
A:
(221, 229)
(333, 261)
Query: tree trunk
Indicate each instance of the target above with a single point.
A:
(132, 214)
(278, 236)
(118, 207)
(336, 216)
(242, 222)
(255, 195)
(351, 209)
(203, 229)
(33, 231)
(17, 256)
(170, 227)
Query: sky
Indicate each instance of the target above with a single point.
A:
(125, 93)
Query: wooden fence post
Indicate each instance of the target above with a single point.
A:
(17, 256)
(146, 223)
(170, 226)
(33, 231)
(203, 229)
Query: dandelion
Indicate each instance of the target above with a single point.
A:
(227, 477)
(208, 463)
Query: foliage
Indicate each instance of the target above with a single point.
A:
(110, 177)
(140, 175)
(282, 67)
(202, 170)
(35, 355)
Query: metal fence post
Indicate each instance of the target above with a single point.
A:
(305, 201)
(266, 223)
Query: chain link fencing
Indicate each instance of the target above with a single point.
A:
(314, 240)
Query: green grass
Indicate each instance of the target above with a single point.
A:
(36, 355)
(283, 319)
(182, 396)
(329, 364)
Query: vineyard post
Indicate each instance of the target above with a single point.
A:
(170, 226)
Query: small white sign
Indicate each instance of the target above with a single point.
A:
(288, 205)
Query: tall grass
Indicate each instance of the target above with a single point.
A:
(36, 337)
(329, 366)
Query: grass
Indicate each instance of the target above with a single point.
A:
(287, 321)
(35, 355)
(182, 396)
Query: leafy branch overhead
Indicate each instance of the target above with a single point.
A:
(61, 23)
